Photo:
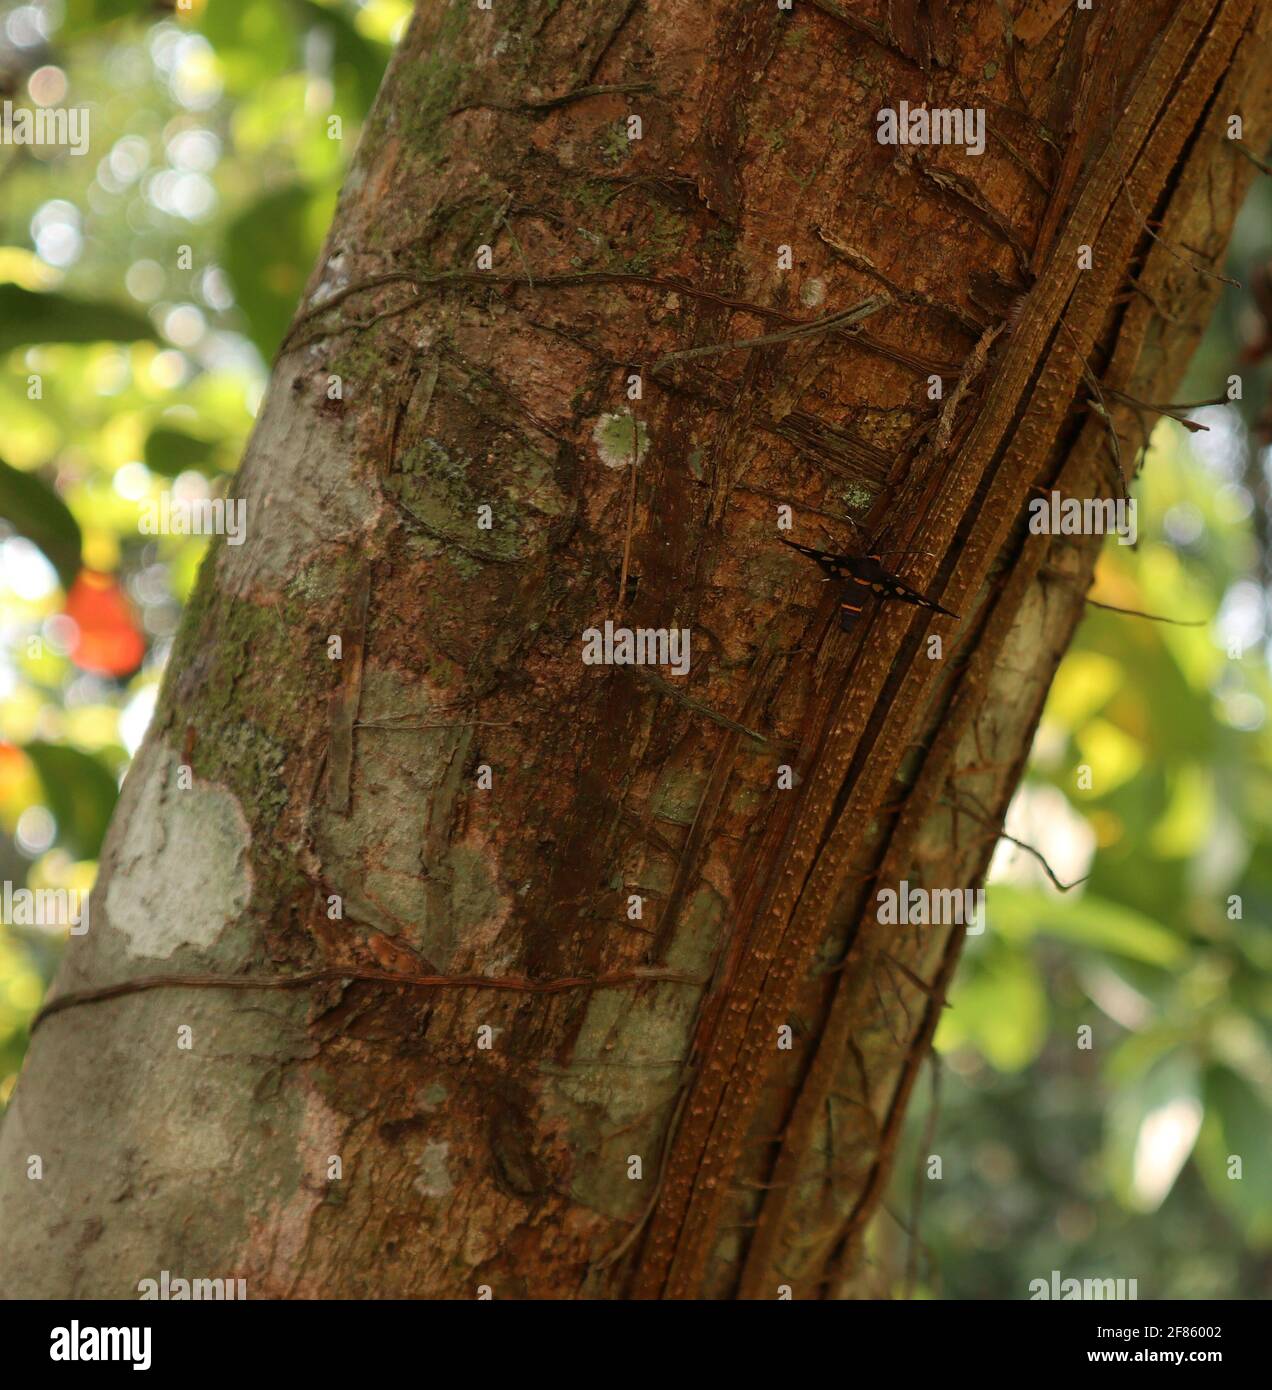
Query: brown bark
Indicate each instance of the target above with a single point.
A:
(506, 906)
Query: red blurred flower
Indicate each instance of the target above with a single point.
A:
(107, 640)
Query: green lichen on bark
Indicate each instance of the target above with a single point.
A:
(429, 86)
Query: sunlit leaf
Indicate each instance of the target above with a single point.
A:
(1083, 683)
(1153, 1125)
(1084, 920)
(1182, 830)
(998, 1005)
(1104, 746)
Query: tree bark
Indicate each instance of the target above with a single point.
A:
(394, 907)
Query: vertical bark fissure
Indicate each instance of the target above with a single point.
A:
(679, 1242)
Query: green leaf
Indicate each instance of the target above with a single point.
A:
(27, 316)
(1087, 921)
(1238, 1125)
(1153, 1125)
(998, 1004)
(35, 511)
(1137, 1053)
(270, 247)
(80, 792)
(169, 452)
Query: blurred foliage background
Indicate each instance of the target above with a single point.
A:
(143, 289)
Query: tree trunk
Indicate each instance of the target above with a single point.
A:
(394, 903)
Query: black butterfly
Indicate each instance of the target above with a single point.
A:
(863, 572)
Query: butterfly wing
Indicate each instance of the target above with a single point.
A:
(831, 565)
(850, 606)
(885, 583)
(861, 576)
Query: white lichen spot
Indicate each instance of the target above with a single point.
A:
(181, 875)
(434, 1180)
(333, 280)
(812, 293)
(620, 439)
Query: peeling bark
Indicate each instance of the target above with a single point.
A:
(484, 806)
